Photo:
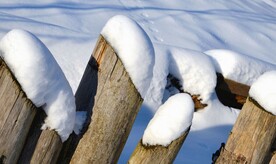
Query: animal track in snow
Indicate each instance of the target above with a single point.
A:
(153, 29)
(158, 38)
(145, 15)
(144, 18)
(150, 21)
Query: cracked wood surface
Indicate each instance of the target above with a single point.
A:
(17, 114)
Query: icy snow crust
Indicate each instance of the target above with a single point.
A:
(171, 120)
(41, 79)
(264, 91)
(134, 48)
(238, 67)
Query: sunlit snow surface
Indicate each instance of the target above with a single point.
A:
(238, 67)
(195, 71)
(70, 30)
(171, 120)
(134, 48)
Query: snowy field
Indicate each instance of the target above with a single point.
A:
(191, 39)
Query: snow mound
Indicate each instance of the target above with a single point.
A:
(195, 71)
(263, 90)
(238, 67)
(155, 93)
(41, 79)
(170, 121)
(134, 48)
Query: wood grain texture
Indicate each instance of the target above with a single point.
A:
(116, 105)
(157, 154)
(252, 136)
(17, 114)
(42, 146)
(48, 148)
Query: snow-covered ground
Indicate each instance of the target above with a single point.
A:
(242, 31)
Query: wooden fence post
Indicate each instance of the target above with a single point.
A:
(41, 146)
(157, 154)
(116, 105)
(17, 114)
(16, 119)
(252, 136)
(48, 148)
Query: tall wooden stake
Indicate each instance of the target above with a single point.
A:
(17, 114)
(116, 105)
(157, 154)
(41, 146)
(252, 136)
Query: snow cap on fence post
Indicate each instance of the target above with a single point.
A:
(134, 48)
(263, 90)
(170, 121)
(195, 71)
(41, 79)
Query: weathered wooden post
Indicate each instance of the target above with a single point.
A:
(166, 132)
(116, 105)
(42, 146)
(252, 136)
(48, 147)
(157, 154)
(17, 114)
